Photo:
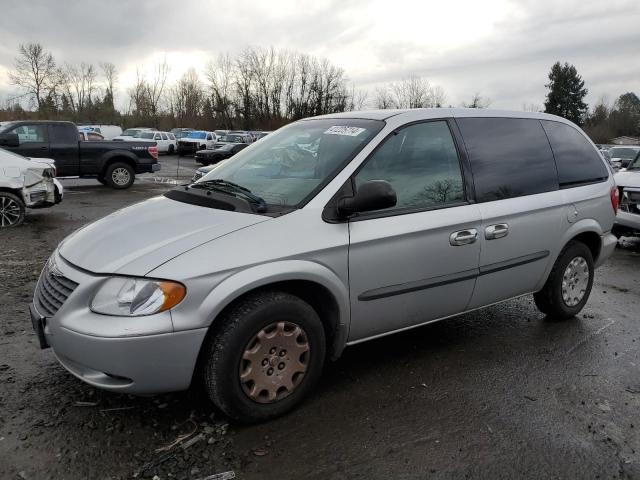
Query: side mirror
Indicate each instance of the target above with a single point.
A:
(372, 195)
(9, 140)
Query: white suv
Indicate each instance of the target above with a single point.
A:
(165, 141)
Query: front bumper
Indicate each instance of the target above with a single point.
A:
(628, 220)
(138, 355)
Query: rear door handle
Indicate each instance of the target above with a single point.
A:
(463, 237)
(498, 230)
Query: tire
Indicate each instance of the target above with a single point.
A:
(102, 180)
(12, 210)
(228, 343)
(119, 176)
(171, 150)
(551, 300)
(180, 152)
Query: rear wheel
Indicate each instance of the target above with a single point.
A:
(265, 357)
(12, 210)
(567, 289)
(119, 176)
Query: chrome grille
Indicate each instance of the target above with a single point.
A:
(52, 290)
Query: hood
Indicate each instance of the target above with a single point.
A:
(19, 172)
(139, 238)
(628, 178)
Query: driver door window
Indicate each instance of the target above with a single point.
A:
(421, 164)
(31, 133)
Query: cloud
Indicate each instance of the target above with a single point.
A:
(500, 48)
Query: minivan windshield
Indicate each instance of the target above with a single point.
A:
(289, 165)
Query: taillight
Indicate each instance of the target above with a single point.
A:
(153, 151)
(615, 198)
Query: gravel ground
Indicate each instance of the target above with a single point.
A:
(499, 393)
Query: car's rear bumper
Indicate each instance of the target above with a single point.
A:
(148, 167)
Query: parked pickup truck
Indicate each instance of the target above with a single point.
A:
(112, 163)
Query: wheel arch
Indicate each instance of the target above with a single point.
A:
(315, 284)
(117, 158)
(587, 231)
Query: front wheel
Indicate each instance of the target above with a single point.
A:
(170, 150)
(12, 210)
(119, 176)
(265, 357)
(567, 289)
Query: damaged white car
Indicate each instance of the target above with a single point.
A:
(628, 217)
(25, 183)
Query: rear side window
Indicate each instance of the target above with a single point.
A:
(510, 157)
(578, 162)
(62, 133)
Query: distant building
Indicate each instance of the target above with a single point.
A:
(626, 141)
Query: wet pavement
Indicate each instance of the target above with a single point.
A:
(498, 393)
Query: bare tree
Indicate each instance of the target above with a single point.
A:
(111, 78)
(531, 107)
(357, 98)
(384, 99)
(186, 98)
(155, 88)
(35, 72)
(220, 74)
(477, 101)
(412, 92)
(79, 85)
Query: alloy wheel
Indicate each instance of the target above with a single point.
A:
(9, 212)
(120, 176)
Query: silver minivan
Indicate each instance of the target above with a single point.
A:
(329, 232)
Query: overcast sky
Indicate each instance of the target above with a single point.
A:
(502, 49)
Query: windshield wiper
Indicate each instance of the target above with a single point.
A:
(226, 186)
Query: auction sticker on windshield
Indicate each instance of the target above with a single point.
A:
(344, 130)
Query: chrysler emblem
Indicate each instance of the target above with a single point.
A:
(52, 268)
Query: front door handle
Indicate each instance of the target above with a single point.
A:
(498, 230)
(463, 237)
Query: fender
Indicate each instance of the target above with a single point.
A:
(581, 226)
(262, 275)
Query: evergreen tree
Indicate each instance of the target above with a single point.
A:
(566, 93)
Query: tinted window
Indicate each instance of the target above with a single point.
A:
(577, 160)
(164, 136)
(510, 157)
(421, 164)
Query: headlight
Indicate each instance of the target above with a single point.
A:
(134, 297)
